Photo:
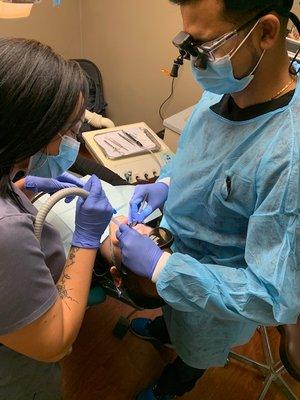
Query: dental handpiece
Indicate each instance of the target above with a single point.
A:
(134, 223)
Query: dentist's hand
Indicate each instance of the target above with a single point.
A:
(93, 214)
(156, 195)
(139, 253)
(49, 185)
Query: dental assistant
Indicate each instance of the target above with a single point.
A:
(230, 196)
(43, 295)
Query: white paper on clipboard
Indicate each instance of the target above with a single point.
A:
(120, 143)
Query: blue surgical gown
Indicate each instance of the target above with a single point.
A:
(233, 208)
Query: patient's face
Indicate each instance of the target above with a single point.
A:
(141, 290)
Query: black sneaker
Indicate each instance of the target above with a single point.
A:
(148, 394)
(140, 328)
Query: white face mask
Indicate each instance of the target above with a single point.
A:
(47, 166)
(219, 78)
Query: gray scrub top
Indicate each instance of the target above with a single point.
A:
(28, 273)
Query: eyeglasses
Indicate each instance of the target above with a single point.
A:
(74, 130)
(214, 49)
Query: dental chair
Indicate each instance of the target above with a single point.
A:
(102, 280)
(272, 370)
(96, 296)
(103, 285)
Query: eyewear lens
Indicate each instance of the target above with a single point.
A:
(221, 48)
(74, 131)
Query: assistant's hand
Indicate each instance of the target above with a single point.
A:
(50, 185)
(156, 195)
(139, 253)
(93, 214)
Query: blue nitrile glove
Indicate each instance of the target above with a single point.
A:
(139, 253)
(93, 214)
(156, 195)
(51, 185)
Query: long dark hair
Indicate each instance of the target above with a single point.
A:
(39, 92)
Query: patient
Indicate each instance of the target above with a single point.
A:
(141, 290)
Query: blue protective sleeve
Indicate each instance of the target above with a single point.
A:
(266, 291)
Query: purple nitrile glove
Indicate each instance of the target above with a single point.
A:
(156, 195)
(70, 178)
(50, 185)
(93, 215)
(139, 253)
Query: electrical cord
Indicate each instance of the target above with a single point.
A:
(167, 99)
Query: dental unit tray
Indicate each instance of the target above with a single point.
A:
(138, 164)
(126, 142)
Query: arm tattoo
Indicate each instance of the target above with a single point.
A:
(61, 286)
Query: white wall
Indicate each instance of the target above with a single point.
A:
(57, 26)
(296, 8)
(130, 41)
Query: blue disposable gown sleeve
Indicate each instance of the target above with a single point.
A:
(267, 291)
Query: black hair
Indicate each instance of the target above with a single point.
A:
(283, 7)
(239, 10)
(39, 92)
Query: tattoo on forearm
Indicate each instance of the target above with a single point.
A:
(61, 286)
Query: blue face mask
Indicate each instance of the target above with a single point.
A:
(47, 166)
(219, 78)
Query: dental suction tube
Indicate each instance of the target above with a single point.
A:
(55, 198)
(97, 121)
